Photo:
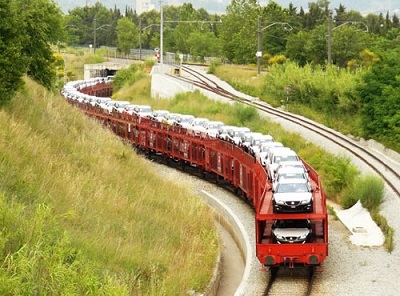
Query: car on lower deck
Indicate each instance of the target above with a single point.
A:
(292, 231)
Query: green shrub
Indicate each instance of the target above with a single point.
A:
(214, 65)
(368, 189)
(128, 76)
(371, 188)
(342, 174)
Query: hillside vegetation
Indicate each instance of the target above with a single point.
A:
(81, 213)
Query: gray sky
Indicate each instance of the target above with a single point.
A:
(363, 6)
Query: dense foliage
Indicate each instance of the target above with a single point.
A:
(12, 64)
(379, 94)
(27, 30)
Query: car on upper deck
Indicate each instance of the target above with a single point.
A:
(292, 195)
(210, 128)
(183, 120)
(159, 115)
(119, 106)
(262, 153)
(276, 156)
(235, 135)
(143, 110)
(287, 173)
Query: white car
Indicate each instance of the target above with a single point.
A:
(130, 108)
(292, 231)
(159, 115)
(108, 105)
(291, 164)
(257, 141)
(119, 106)
(235, 135)
(287, 173)
(262, 153)
(183, 120)
(210, 128)
(292, 195)
(224, 130)
(142, 110)
(246, 140)
(171, 118)
(270, 166)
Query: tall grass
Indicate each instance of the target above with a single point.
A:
(367, 189)
(133, 232)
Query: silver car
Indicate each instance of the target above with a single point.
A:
(292, 231)
(292, 195)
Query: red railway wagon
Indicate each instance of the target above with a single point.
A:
(312, 253)
(230, 163)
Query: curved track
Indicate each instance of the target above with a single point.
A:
(382, 166)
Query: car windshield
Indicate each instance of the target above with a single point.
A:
(239, 134)
(214, 126)
(265, 148)
(291, 187)
(144, 109)
(288, 158)
(290, 176)
(292, 224)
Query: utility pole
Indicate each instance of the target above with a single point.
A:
(140, 39)
(330, 37)
(161, 35)
(94, 37)
(259, 53)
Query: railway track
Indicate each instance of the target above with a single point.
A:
(285, 281)
(381, 165)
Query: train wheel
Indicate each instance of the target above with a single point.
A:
(274, 270)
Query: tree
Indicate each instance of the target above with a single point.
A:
(12, 64)
(379, 94)
(82, 18)
(316, 14)
(151, 35)
(27, 31)
(128, 35)
(42, 27)
(203, 44)
(239, 31)
(296, 47)
(347, 43)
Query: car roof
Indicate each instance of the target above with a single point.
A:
(293, 181)
(290, 169)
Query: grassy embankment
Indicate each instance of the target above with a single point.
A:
(342, 182)
(81, 213)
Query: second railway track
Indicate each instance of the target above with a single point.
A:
(382, 166)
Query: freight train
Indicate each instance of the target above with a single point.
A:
(291, 230)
